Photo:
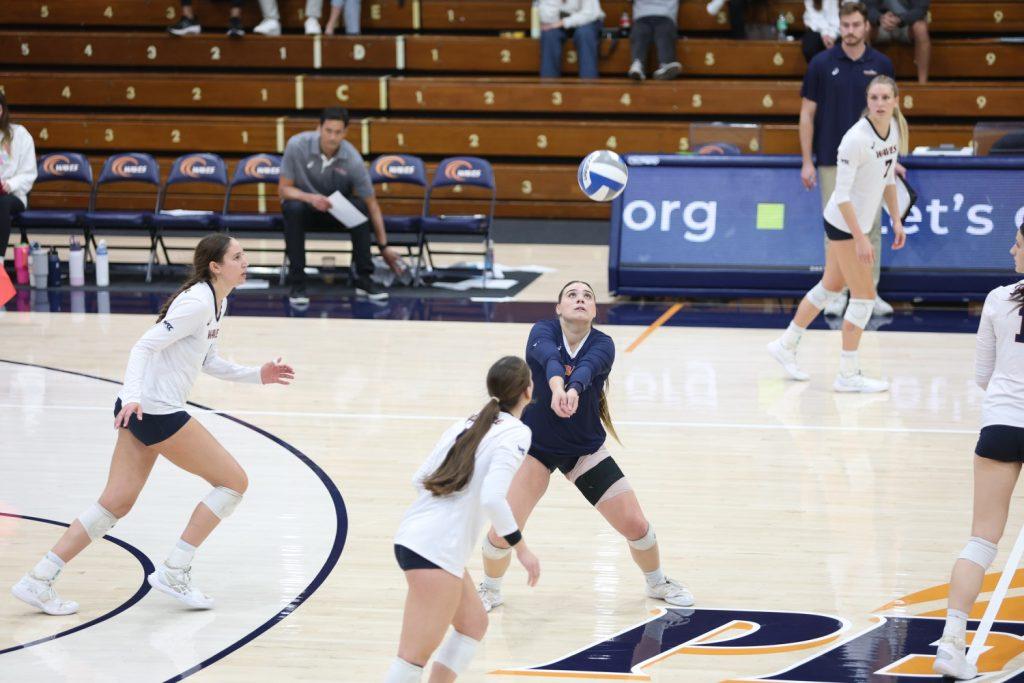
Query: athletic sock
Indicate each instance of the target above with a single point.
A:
(654, 578)
(181, 555)
(402, 671)
(491, 583)
(791, 337)
(48, 567)
(848, 363)
(956, 624)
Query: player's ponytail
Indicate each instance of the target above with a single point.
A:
(210, 248)
(901, 123)
(606, 415)
(507, 380)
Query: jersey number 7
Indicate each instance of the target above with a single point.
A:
(888, 165)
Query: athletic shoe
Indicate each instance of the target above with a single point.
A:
(666, 72)
(297, 297)
(636, 70)
(859, 384)
(837, 306)
(235, 29)
(186, 27)
(881, 307)
(787, 359)
(268, 27)
(178, 584)
(672, 592)
(489, 598)
(715, 6)
(40, 594)
(951, 660)
(312, 26)
(365, 287)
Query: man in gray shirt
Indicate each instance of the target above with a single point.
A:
(316, 164)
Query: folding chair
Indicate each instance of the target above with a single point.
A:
(257, 168)
(453, 171)
(200, 167)
(57, 167)
(409, 170)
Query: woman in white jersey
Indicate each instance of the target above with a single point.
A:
(151, 420)
(463, 483)
(865, 175)
(999, 371)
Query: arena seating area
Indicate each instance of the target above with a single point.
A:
(437, 78)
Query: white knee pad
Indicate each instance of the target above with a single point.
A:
(819, 296)
(222, 501)
(858, 312)
(493, 552)
(645, 542)
(980, 552)
(456, 652)
(97, 521)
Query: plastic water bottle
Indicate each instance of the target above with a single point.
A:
(53, 274)
(102, 265)
(781, 26)
(39, 267)
(76, 264)
(21, 268)
(624, 25)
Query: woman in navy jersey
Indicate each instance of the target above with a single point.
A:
(569, 419)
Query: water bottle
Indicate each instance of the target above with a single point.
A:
(76, 264)
(535, 20)
(781, 26)
(102, 265)
(39, 267)
(624, 25)
(489, 258)
(21, 268)
(53, 274)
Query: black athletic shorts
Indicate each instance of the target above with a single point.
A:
(407, 559)
(835, 234)
(153, 429)
(563, 464)
(1001, 442)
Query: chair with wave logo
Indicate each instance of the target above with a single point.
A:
(125, 167)
(252, 170)
(64, 167)
(454, 173)
(188, 169)
(403, 230)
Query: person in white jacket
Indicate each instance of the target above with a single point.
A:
(821, 21)
(151, 420)
(999, 371)
(17, 172)
(582, 19)
(463, 483)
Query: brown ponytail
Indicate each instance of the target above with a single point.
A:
(606, 416)
(507, 379)
(210, 248)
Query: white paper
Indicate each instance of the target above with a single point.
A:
(345, 211)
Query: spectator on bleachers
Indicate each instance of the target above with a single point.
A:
(821, 20)
(905, 21)
(315, 10)
(833, 99)
(189, 24)
(316, 164)
(17, 172)
(737, 16)
(559, 19)
(655, 20)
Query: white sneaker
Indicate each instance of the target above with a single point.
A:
(268, 27)
(672, 592)
(715, 6)
(178, 584)
(40, 594)
(489, 598)
(837, 306)
(859, 384)
(881, 307)
(787, 359)
(636, 70)
(951, 660)
(312, 26)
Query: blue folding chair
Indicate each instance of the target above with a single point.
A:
(403, 230)
(257, 168)
(472, 171)
(199, 167)
(61, 167)
(125, 167)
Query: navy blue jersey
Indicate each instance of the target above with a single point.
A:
(547, 355)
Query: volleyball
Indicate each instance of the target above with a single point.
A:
(602, 175)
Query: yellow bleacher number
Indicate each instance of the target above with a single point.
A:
(170, 11)
(451, 16)
(435, 56)
(767, 102)
(777, 60)
(24, 49)
(709, 58)
(506, 56)
(419, 97)
(520, 16)
(214, 53)
(754, 145)
(151, 52)
(283, 51)
(488, 97)
(611, 143)
(129, 92)
(197, 94)
(44, 134)
(696, 101)
(527, 187)
(245, 137)
(982, 101)
(375, 13)
(264, 94)
(625, 100)
(358, 52)
(44, 11)
(990, 58)
(66, 92)
(908, 102)
(87, 50)
(474, 140)
(108, 134)
(542, 141)
(998, 16)
(571, 56)
(556, 98)
(400, 140)
(175, 136)
(109, 12)
(684, 144)
(342, 93)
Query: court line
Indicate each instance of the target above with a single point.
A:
(672, 310)
(451, 418)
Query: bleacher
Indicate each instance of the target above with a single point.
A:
(437, 78)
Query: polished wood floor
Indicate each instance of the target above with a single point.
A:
(768, 497)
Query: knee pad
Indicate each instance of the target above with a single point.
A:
(493, 552)
(456, 652)
(819, 296)
(645, 542)
(97, 521)
(858, 312)
(980, 552)
(222, 501)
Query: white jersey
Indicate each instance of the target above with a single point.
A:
(866, 164)
(165, 362)
(446, 529)
(999, 359)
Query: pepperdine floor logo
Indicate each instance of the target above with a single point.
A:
(895, 648)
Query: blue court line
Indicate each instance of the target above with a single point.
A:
(338, 545)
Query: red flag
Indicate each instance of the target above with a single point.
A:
(6, 288)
